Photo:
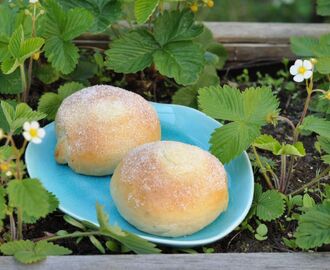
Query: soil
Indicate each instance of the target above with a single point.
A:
(237, 241)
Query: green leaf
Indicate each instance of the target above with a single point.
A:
(262, 229)
(52, 206)
(326, 159)
(30, 196)
(270, 205)
(26, 251)
(129, 240)
(16, 41)
(304, 46)
(50, 102)
(63, 55)
(267, 142)
(314, 227)
(144, 9)
(220, 51)
(20, 50)
(224, 103)
(9, 65)
(29, 47)
(323, 65)
(230, 140)
(259, 103)
(97, 244)
(132, 52)
(323, 7)
(227, 103)
(85, 70)
(176, 26)
(11, 83)
(318, 125)
(105, 12)
(182, 60)
(324, 144)
(188, 95)
(74, 222)
(3, 206)
(60, 28)
(47, 74)
(6, 153)
(296, 149)
(17, 116)
(308, 201)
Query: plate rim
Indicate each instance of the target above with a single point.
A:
(171, 241)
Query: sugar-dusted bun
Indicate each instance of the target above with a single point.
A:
(169, 188)
(97, 126)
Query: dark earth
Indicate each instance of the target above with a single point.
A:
(155, 88)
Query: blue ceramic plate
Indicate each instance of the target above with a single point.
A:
(78, 194)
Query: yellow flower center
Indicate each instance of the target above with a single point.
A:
(33, 132)
(210, 3)
(301, 70)
(327, 95)
(4, 167)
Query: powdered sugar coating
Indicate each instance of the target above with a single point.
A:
(175, 169)
(103, 122)
(169, 188)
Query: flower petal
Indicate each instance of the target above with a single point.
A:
(298, 63)
(41, 133)
(36, 140)
(35, 125)
(307, 65)
(298, 78)
(308, 74)
(26, 126)
(294, 70)
(27, 135)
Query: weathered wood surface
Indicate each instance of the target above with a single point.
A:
(228, 261)
(245, 42)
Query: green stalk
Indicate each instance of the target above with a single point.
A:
(29, 81)
(309, 89)
(19, 223)
(262, 168)
(12, 226)
(283, 178)
(24, 82)
(314, 181)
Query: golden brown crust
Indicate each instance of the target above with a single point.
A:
(98, 125)
(170, 188)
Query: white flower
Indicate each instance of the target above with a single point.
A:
(301, 70)
(33, 1)
(33, 132)
(9, 173)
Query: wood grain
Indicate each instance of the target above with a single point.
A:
(228, 261)
(245, 42)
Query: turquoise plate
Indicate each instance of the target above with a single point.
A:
(78, 194)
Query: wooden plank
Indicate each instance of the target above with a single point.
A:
(271, 33)
(244, 42)
(231, 261)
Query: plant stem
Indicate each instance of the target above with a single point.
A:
(20, 223)
(283, 174)
(314, 181)
(161, 6)
(12, 226)
(29, 81)
(309, 89)
(287, 120)
(24, 82)
(262, 168)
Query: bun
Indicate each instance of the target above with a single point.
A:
(97, 126)
(169, 188)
